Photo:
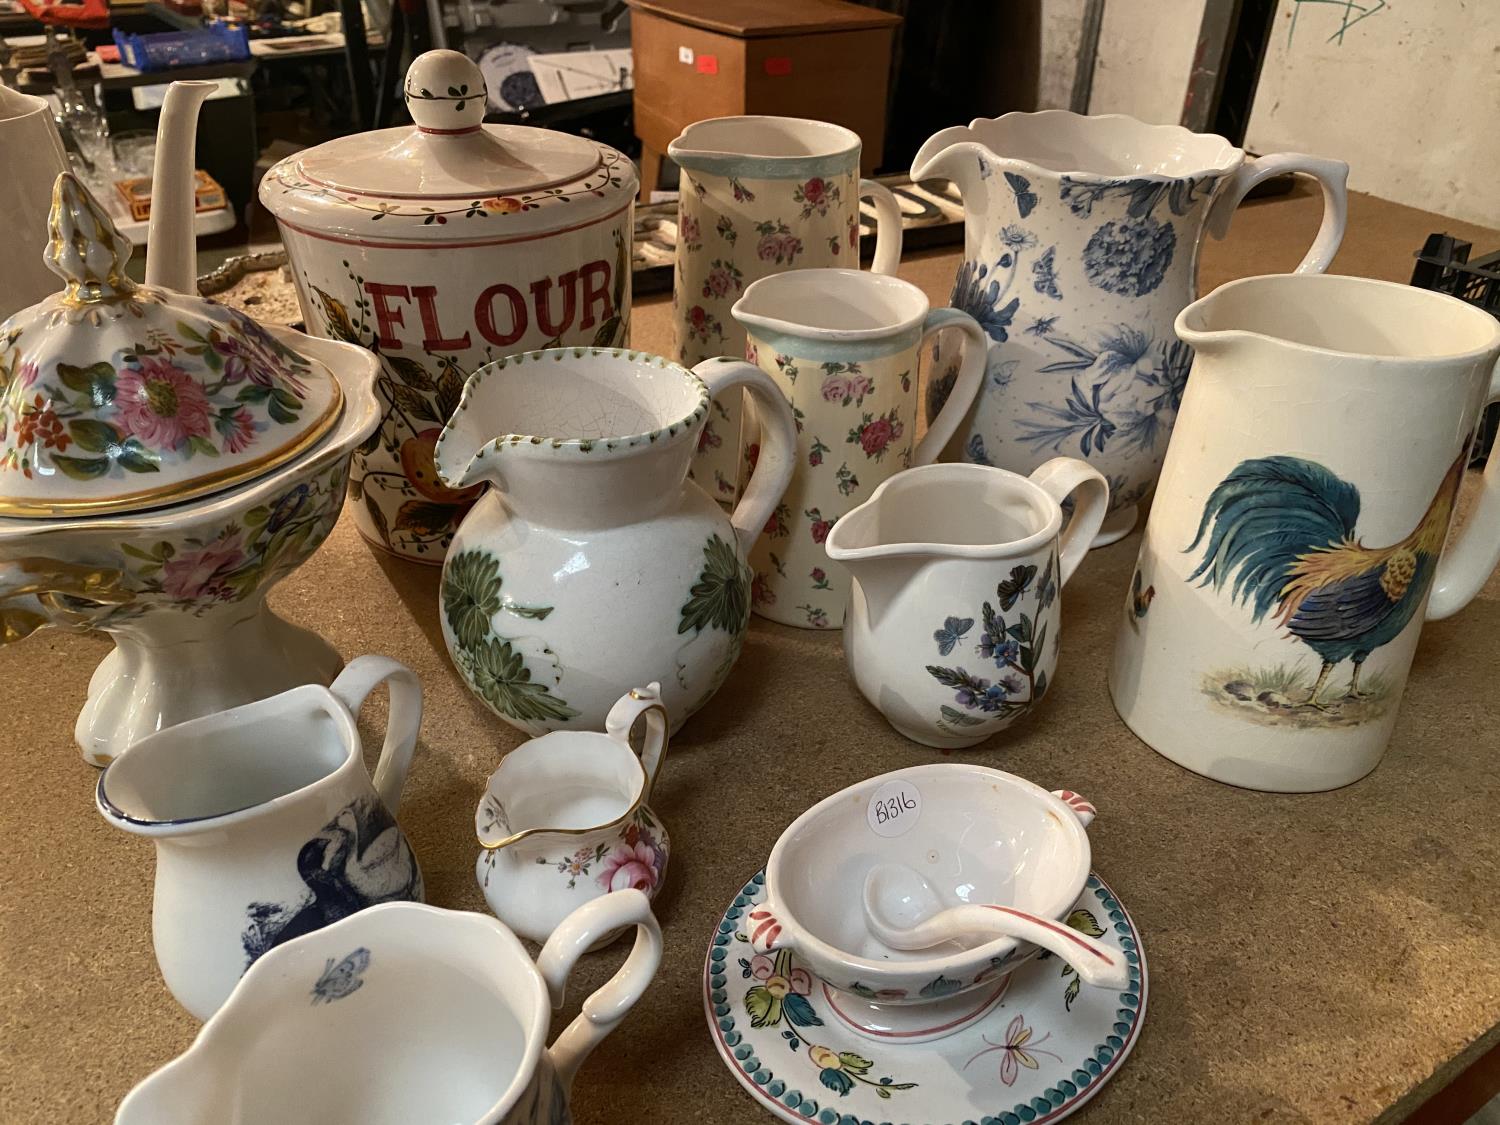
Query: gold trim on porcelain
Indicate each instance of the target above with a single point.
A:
(165, 495)
(647, 779)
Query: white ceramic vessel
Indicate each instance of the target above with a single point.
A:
(564, 819)
(399, 1014)
(1297, 542)
(163, 462)
(1040, 1054)
(760, 195)
(978, 835)
(593, 564)
(267, 825)
(1081, 239)
(32, 154)
(955, 618)
(842, 345)
(441, 246)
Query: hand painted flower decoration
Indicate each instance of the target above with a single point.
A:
(192, 575)
(161, 404)
(782, 992)
(629, 867)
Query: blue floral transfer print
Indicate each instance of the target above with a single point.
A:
(981, 298)
(1131, 257)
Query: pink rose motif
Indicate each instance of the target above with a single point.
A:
(718, 283)
(238, 430)
(752, 455)
(859, 386)
(877, 435)
(689, 231)
(820, 530)
(853, 232)
(708, 439)
(629, 867)
(761, 592)
(198, 574)
(751, 354)
(697, 317)
(161, 404)
(836, 388)
(818, 574)
(815, 458)
(814, 190)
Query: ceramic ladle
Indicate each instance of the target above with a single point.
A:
(903, 910)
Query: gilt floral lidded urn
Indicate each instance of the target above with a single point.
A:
(442, 246)
(121, 397)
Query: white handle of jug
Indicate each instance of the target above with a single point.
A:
(359, 678)
(778, 442)
(1059, 478)
(603, 1011)
(1472, 555)
(975, 354)
(623, 716)
(887, 227)
(1332, 177)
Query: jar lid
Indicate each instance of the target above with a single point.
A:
(121, 397)
(443, 177)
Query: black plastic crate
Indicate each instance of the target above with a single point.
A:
(1443, 265)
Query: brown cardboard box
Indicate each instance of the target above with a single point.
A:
(824, 59)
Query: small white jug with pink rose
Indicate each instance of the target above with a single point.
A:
(564, 820)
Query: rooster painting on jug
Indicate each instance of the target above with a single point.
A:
(1288, 526)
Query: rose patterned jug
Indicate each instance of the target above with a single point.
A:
(593, 563)
(760, 195)
(564, 819)
(842, 345)
(1081, 239)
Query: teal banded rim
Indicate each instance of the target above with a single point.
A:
(709, 147)
(810, 349)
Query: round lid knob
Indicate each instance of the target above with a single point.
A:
(445, 92)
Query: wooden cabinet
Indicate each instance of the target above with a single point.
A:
(824, 59)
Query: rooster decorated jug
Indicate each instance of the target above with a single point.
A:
(1297, 540)
(1081, 239)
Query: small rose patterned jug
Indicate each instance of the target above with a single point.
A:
(843, 347)
(760, 195)
(564, 819)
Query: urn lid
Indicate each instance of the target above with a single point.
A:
(449, 177)
(120, 397)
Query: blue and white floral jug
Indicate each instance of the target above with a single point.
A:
(1080, 247)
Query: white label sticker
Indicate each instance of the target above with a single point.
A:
(895, 808)
(685, 55)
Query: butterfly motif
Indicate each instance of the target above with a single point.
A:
(1020, 187)
(341, 978)
(1046, 591)
(1010, 590)
(1140, 600)
(951, 633)
(1044, 274)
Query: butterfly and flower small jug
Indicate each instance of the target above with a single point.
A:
(564, 819)
(1081, 240)
(267, 824)
(954, 618)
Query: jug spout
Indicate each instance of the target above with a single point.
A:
(459, 454)
(187, 1091)
(953, 154)
(880, 570)
(171, 245)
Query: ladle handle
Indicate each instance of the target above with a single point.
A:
(974, 353)
(603, 1011)
(623, 716)
(1060, 478)
(887, 227)
(778, 442)
(358, 679)
(1332, 177)
(1473, 553)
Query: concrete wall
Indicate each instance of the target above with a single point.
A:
(1408, 93)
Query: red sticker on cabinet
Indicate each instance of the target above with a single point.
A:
(708, 64)
(779, 66)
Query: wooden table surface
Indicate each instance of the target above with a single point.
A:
(1323, 957)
